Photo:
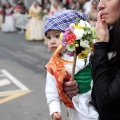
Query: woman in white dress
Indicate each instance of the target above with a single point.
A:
(20, 17)
(8, 25)
(34, 29)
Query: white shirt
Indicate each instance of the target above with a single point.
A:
(51, 91)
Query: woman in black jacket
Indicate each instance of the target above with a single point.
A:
(105, 62)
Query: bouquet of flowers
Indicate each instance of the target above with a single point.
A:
(78, 40)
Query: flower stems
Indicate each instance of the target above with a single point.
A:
(73, 67)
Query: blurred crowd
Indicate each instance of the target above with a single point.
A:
(31, 20)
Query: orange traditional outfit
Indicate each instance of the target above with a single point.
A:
(56, 67)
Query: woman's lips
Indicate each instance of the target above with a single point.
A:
(104, 15)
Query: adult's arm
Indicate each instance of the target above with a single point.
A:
(107, 92)
(70, 88)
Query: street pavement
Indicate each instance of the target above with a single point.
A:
(22, 78)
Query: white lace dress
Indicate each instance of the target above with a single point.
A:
(9, 25)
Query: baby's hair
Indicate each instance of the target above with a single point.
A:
(52, 30)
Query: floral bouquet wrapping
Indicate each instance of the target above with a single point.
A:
(78, 40)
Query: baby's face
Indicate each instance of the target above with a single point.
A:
(53, 39)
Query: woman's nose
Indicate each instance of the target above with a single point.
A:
(101, 5)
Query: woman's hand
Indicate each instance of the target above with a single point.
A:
(102, 28)
(70, 88)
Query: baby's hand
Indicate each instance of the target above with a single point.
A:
(56, 116)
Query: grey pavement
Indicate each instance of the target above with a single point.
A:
(22, 71)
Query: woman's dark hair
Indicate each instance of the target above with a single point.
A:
(117, 35)
(117, 39)
(8, 3)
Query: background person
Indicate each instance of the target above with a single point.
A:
(1, 17)
(8, 25)
(21, 16)
(93, 13)
(55, 7)
(34, 30)
(105, 61)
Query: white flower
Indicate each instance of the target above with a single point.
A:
(85, 32)
(87, 24)
(89, 32)
(70, 47)
(82, 23)
(84, 44)
(79, 33)
(72, 25)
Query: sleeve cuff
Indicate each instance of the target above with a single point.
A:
(100, 45)
(54, 107)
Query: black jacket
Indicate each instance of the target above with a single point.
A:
(106, 81)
